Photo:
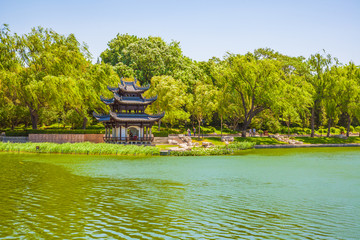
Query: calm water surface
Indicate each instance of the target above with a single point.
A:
(262, 194)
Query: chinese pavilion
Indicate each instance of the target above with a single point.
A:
(127, 122)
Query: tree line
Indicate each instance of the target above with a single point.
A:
(46, 77)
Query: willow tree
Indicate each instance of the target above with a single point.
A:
(171, 98)
(11, 110)
(349, 77)
(203, 102)
(332, 97)
(50, 64)
(257, 82)
(319, 66)
(296, 100)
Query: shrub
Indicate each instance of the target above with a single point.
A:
(307, 130)
(357, 129)
(283, 130)
(333, 130)
(352, 129)
(218, 150)
(342, 129)
(207, 130)
(228, 130)
(322, 130)
(297, 130)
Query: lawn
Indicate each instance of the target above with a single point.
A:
(327, 140)
(165, 146)
(215, 140)
(259, 140)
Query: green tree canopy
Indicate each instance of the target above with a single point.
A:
(143, 57)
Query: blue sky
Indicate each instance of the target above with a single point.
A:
(203, 28)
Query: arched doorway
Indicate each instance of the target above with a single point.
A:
(133, 133)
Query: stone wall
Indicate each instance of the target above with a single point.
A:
(14, 139)
(64, 138)
(95, 138)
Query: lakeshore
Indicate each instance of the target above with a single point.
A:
(219, 147)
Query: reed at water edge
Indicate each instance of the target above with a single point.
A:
(79, 148)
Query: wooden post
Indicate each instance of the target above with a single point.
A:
(150, 134)
(126, 132)
(120, 133)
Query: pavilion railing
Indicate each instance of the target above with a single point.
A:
(128, 139)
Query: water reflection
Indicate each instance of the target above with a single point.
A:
(199, 198)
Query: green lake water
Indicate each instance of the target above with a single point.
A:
(261, 194)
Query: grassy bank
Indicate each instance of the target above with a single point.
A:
(79, 148)
(232, 148)
(327, 140)
(272, 141)
(259, 140)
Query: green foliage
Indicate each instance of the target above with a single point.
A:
(333, 130)
(237, 145)
(352, 129)
(165, 132)
(143, 57)
(47, 78)
(171, 99)
(203, 103)
(80, 148)
(251, 77)
(217, 150)
(208, 130)
(357, 129)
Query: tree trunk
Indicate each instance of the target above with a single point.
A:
(84, 123)
(348, 126)
(288, 125)
(221, 118)
(199, 130)
(159, 125)
(329, 126)
(34, 117)
(243, 131)
(312, 121)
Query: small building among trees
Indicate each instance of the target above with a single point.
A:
(127, 122)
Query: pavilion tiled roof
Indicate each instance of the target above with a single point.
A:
(129, 87)
(128, 97)
(134, 100)
(107, 101)
(128, 100)
(128, 117)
